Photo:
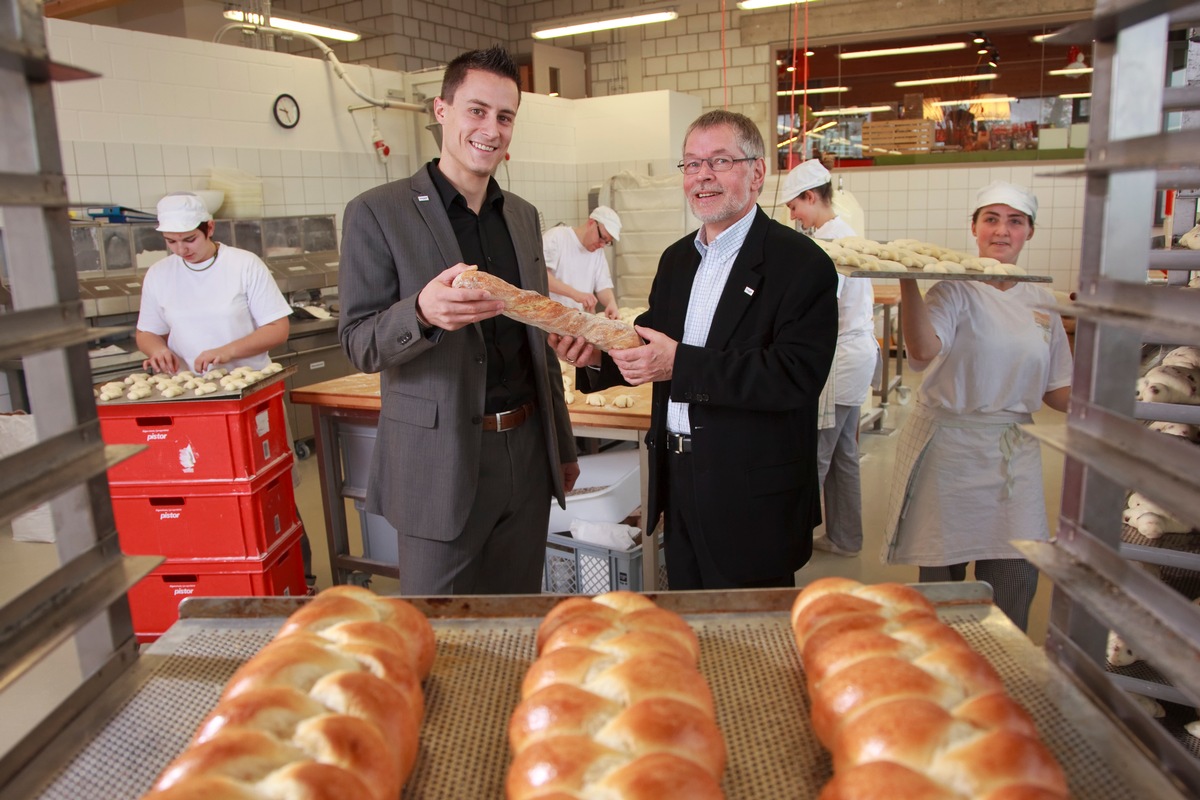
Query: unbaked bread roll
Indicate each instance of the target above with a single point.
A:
(595, 400)
(906, 707)
(540, 311)
(615, 708)
(330, 708)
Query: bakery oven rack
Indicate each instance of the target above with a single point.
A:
(485, 645)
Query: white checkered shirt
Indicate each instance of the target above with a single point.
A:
(716, 262)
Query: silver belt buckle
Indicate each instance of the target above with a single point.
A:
(676, 442)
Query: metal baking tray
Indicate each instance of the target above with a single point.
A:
(485, 646)
(187, 397)
(919, 274)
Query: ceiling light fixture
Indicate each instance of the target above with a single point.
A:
(283, 23)
(849, 111)
(817, 90)
(1075, 95)
(586, 24)
(1070, 71)
(975, 101)
(754, 5)
(902, 51)
(978, 39)
(987, 76)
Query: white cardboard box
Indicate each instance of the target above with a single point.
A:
(1053, 138)
(1079, 135)
(613, 490)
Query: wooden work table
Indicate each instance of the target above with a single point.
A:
(352, 403)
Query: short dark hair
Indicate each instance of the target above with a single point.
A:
(823, 193)
(745, 132)
(495, 60)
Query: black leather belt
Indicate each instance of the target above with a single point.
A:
(507, 420)
(679, 443)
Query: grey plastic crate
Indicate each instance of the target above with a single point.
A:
(574, 567)
(379, 539)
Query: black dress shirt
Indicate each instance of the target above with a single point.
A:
(486, 243)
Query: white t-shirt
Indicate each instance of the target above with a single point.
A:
(197, 311)
(857, 347)
(574, 265)
(999, 352)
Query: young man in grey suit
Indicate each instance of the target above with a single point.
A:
(474, 437)
(740, 333)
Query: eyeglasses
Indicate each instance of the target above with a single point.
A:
(718, 164)
(603, 235)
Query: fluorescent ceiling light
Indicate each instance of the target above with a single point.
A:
(975, 101)
(1075, 95)
(751, 5)
(567, 27)
(1070, 71)
(849, 110)
(987, 76)
(901, 51)
(294, 25)
(817, 90)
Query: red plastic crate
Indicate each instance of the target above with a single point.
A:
(193, 441)
(154, 600)
(222, 521)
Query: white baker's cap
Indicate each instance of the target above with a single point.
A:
(804, 176)
(1008, 194)
(609, 219)
(181, 212)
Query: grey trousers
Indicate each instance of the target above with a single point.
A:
(837, 469)
(502, 547)
(1013, 580)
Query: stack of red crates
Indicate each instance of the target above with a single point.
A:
(212, 493)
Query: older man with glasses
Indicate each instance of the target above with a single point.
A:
(740, 334)
(578, 271)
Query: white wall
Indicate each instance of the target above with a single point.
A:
(166, 110)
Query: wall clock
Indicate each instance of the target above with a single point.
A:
(287, 111)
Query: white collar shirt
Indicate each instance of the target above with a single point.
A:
(716, 262)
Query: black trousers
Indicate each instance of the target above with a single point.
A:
(690, 563)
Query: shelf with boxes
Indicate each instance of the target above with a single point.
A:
(212, 494)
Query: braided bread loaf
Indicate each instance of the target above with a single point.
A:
(906, 707)
(615, 708)
(540, 311)
(330, 709)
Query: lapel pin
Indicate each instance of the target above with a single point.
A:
(422, 198)
(749, 292)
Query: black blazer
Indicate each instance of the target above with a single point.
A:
(753, 390)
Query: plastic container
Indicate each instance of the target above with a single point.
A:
(193, 441)
(154, 600)
(608, 490)
(574, 567)
(380, 542)
(238, 519)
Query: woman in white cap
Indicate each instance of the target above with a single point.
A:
(206, 304)
(968, 480)
(808, 193)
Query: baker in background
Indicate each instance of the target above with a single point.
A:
(474, 437)
(808, 193)
(210, 305)
(968, 480)
(740, 333)
(579, 274)
(207, 304)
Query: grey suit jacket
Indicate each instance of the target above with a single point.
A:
(396, 238)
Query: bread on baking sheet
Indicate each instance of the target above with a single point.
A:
(906, 707)
(615, 707)
(329, 708)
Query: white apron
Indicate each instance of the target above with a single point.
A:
(965, 486)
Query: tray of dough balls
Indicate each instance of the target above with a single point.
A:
(858, 257)
(616, 406)
(216, 384)
(732, 656)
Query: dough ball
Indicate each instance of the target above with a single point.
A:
(624, 401)
(595, 400)
(568, 396)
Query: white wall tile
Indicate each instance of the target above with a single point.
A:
(269, 163)
(200, 159)
(119, 159)
(175, 160)
(148, 159)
